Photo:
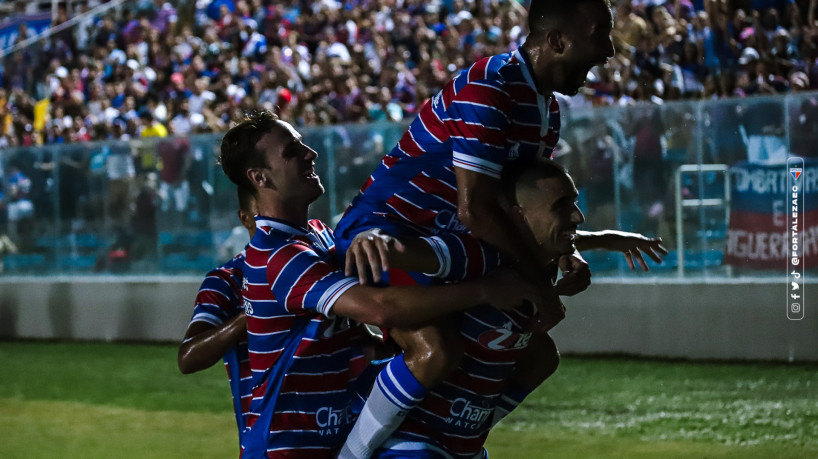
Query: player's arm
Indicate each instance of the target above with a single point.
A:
(205, 344)
(320, 287)
(479, 209)
(478, 135)
(412, 306)
(631, 244)
(375, 251)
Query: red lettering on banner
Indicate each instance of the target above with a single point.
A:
(764, 247)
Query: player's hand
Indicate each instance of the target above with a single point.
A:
(369, 251)
(576, 275)
(504, 289)
(633, 245)
(550, 310)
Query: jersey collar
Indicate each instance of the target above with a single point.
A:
(528, 70)
(543, 102)
(279, 225)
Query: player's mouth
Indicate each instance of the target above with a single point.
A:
(587, 74)
(600, 63)
(310, 174)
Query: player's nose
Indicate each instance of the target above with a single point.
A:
(577, 216)
(309, 153)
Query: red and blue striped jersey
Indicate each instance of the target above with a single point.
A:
(219, 299)
(288, 281)
(488, 115)
(454, 418)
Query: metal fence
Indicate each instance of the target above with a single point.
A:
(152, 206)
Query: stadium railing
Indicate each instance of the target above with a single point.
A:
(123, 207)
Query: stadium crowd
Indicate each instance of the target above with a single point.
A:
(155, 68)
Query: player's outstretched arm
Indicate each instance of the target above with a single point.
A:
(205, 344)
(411, 306)
(631, 244)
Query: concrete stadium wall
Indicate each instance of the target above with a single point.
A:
(743, 320)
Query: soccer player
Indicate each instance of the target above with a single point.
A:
(218, 328)
(454, 418)
(443, 175)
(441, 181)
(304, 355)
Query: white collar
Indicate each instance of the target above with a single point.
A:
(543, 102)
(279, 225)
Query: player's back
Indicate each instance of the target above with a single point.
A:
(455, 416)
(487, 115)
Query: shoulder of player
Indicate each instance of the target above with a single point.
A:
(319, 226)
(223, 273)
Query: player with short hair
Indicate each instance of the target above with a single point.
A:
(442, 180)
(443, 175)
(454, 418)
(304, 355)
(218, 328)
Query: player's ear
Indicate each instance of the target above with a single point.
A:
(555, 40)
(258, 178)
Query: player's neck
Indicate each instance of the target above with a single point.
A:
(295, 215)
(539, 65)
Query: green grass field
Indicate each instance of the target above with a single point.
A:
(91, 400)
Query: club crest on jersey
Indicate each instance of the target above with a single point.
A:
(796, 172)
(503, 339)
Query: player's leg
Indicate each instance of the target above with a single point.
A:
(538, 363)
(429, 355)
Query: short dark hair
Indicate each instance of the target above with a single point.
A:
(238, 149)
(545, 15)
(519, 174)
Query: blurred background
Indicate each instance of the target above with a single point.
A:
(111, 114)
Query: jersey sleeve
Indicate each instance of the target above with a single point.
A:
(219, 297)
(462, 256)
(478, 120)
(303, 282)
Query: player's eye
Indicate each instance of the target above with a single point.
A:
(292, 149)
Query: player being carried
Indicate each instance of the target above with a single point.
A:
(454, 418)
(442, 182)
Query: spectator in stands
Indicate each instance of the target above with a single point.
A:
(151, 126)
(804, 123)
(333, 62)
(19, 208)
(175, 160)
